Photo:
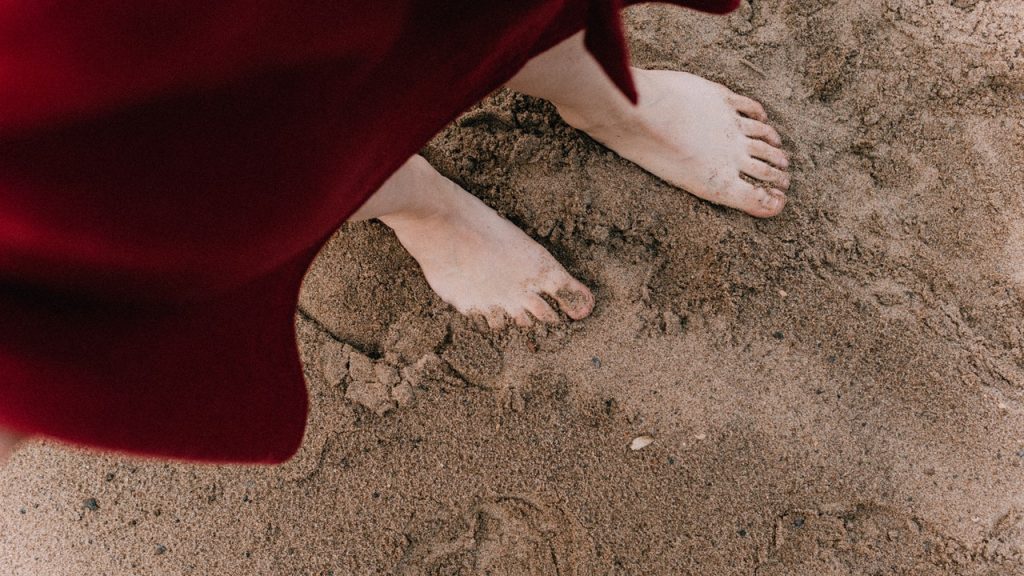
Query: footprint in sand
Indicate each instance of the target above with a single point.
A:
(872, 539)
(501, 536)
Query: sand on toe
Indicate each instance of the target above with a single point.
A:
(838, 390)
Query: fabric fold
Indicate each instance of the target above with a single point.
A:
(606, 40)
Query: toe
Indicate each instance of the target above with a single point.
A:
(574, 299)
(496, 318)
(768, 153)
(541, 310)
(522, 318)
(772, 201)
(747, 107)
(761, 131)
(754, 200)
(765, 172)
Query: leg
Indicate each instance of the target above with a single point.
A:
(691, 132)
(473, 258)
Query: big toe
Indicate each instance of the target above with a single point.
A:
(757, 201)
(575, 299)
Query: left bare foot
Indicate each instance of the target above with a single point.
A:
(474, 259)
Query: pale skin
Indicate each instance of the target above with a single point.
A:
(690, 132)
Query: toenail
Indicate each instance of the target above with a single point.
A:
(775, 198)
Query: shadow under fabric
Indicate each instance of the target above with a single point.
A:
(168, 171)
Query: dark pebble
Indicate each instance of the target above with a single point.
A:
(742, 532)
(671, 460)
(596, 362)
(160, 549)
(109, 477)
(778, 335)
(22, 511)
(91, 504)
(798, 521)
(376, 494)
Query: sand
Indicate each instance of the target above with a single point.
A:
(839, 390)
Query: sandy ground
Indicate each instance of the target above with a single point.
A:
(839, 390)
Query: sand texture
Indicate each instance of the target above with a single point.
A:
(839, 390)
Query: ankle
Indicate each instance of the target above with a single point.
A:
(434, 200)
(603, 112)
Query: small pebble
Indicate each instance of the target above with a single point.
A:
(783, 293)
(160, 549)
(700, 436)
(596, 362)
(91, 504)
(640, 442)
(778, 335)
(798, 521)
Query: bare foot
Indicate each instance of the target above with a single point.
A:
(697, 135)
(477, 261)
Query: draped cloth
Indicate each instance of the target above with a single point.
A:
(169, 169)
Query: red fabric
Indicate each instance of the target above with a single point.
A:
(168, 170)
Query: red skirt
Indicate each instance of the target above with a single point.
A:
(168, 171)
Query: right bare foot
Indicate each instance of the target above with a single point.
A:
(691, 132)
(479, 262)
(697, 135)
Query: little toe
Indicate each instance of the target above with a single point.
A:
(754, 200)
(748, 107)
(574, 299)
(767, 173)
(761, 131)
(541, 310)
(768, 153)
